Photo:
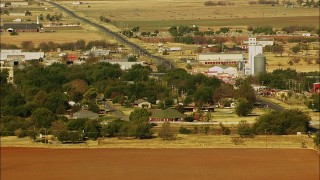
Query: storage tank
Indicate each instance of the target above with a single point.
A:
(259, 64)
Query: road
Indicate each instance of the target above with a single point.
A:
(271, 105)
(115, 112)
(118, 37)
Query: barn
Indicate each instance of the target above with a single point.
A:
(22, 27)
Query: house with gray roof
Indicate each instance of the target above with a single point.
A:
(83, 114)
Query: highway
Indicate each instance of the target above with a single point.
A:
(118, 37)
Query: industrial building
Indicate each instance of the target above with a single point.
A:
(21, 27)
(219, 58)
(97, 52)
(17, 54)
(262, 42)
(255, 61)
(219, 70)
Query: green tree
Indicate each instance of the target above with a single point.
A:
(246, 91)
(280, 123)
(27, 45)
(139, 115)
(317, 138)
(43, 118)
(244, 107)
(92, 129)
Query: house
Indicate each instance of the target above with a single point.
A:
(282, 94)
(22, 27)
(19, 3)
(17, 14)
(2, 5)
(219, 58)
(83, 114)
(17, 20)
(97, 52)
(142, 103)
(166, 115)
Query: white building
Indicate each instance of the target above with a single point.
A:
(222, 70)
(97, 52)
(124, 65)
(262, 42)
(17, 20)
(17, 14)
(9, 54)
(219, 58)
(19, 3)
(254, 49)
(2, 5)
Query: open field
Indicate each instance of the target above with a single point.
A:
(182, 141)
(39, 163)
(57, 37)
(126, 13)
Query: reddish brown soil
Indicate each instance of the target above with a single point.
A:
(112, 164)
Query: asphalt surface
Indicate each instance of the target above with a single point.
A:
(271, 105)
(118, 37)
(115, 112)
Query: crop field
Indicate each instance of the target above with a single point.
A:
(42, 163)
(57, 37)
(150, 14)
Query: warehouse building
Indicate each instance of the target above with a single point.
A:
(219, 58)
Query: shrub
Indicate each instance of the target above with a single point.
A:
(317, 138)
(183, 130)
(244, 129)
(165, 132)
(224, 130)
(20, 133)
(188, 119)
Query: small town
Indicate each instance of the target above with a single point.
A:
(213, 82)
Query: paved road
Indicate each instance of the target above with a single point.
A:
(118, 37)
(271, 105)
(115, 112)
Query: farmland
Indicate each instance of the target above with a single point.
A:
(42, 163)
(127, 14)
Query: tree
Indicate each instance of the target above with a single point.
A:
(246, 91)
(57, 127)
(244, 107)
(27, 45)
(224, 130)
(139, 115)
(280, 123)
(314, 104)
(113, 128)
(317, 138)
(43, 118)
(278, 49)
(244, 128)
(92, 129)
(183, 130)
(166, 133)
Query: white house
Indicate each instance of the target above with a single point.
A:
(219, 58)
(17, 20)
